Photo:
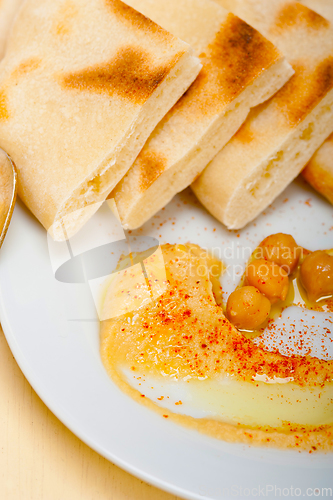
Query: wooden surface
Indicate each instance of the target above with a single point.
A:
(41, 459)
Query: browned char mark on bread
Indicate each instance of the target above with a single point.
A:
(235, 58)
(65, 20)
(152, 164)
(241, 54)
(305, 90)
(293, 15)
(245, 135)
(26, 67)
(4, 113)
(137, 20)
(130, 75)
(23, 69)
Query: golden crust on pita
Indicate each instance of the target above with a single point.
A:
(131, 74)
(305, 90)
(136, 20)
(233, 60)
(322, 7)
(63, 24)
(291, 15)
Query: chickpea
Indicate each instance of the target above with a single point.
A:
(247, 308)
(269, 278)
(317, 275)
(282, 249)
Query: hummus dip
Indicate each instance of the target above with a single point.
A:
(169, 325)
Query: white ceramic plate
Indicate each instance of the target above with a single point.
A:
(61, 359)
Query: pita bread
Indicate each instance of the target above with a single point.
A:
(82, 86)
(240, 70)
(8, 12)
(319, 170)
(280, 136)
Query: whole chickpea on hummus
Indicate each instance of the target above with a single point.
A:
(181, 333)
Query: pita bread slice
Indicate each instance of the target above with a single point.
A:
(8, 12)
(319, 170)
(240, 70)
(82, 86)
(280, 136)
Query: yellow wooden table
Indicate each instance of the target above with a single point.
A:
(40, 459)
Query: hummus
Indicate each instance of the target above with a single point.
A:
(182, 333)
